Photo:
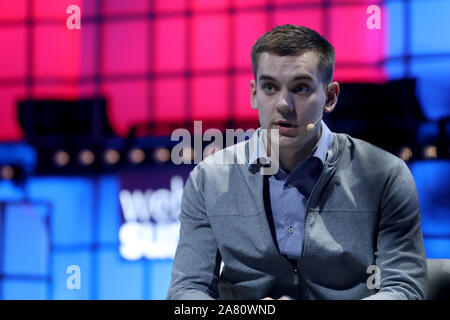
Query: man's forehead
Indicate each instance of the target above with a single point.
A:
(289, 66)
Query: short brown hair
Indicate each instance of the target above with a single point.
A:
(288, 39)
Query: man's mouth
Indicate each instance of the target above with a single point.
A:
(285, 127)
(286, 124)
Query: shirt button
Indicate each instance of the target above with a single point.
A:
(290, 185)
(291, 230)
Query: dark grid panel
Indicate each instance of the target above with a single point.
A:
(106, 22)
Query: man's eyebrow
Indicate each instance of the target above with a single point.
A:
(296, 78)
(266, 77)
(303, 77)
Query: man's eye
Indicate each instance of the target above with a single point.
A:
(301, 89)
(269, 88)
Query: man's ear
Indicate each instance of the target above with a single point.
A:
(332, 96)
(253, 94)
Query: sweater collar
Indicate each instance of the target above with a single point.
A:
(258, 155)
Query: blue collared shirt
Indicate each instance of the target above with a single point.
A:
(289, 193)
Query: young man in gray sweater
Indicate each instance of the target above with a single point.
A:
(338, 219)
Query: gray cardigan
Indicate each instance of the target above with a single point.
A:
(363, 211)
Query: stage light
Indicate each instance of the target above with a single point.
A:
(405, 154)
(136, 155)
(86, 157)
(162, 155)
(111, 156)
(430, 152)
(7, 172)
(61, 158)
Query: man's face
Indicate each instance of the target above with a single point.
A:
(289, 94)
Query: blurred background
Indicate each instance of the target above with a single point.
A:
(86, 117)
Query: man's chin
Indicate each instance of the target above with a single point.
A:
(288, 141)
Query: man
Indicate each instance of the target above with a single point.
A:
(339, 219)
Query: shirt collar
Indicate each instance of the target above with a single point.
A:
(259, 152)
(320, 150)
(323, 145)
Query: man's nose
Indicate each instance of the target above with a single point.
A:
(284, 103)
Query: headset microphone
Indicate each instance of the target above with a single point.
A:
(311, 126)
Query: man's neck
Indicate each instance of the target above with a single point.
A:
(290, 157)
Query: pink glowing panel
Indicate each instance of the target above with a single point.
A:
(169, 98)
(89, 8)
(87, 90)
(13, 52)
(57, 51)
(54, 9)
(367, 75)
(55, 91)
(9, 125)
(209, 97)
(172, 5)
(127, 104)
(170, 44)
(352, 39)
(368, 2)
(13, 9)
(309, 2)
(311, 18)
(123, 7)
(210, 42)
(241, 88)
(248, 28)
(249, 3)
(125, 47)
(208, 4)
(88, 50)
